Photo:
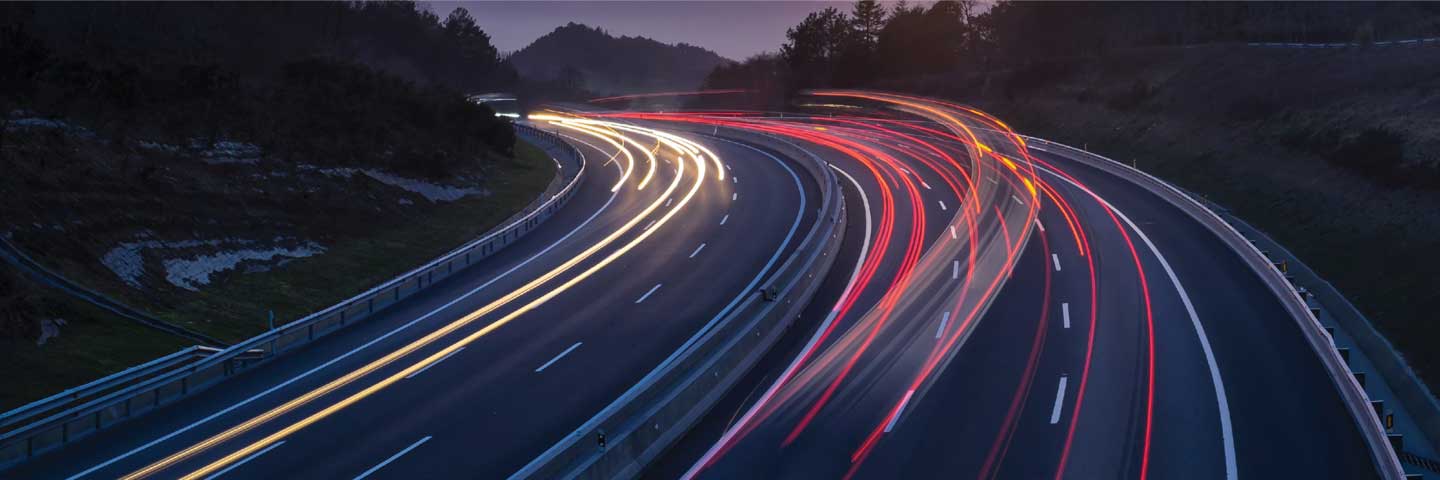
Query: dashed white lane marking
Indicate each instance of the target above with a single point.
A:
(1017, 200)
(899, 411)
(944, 319)
(560, 356)
(994, 181)
(648, 225)
(727, 166)
(1055, 258)
(1039, 225)
(724, 218)
(697, 250)
(926, 185)
(955, 270)
(736, 179)
(668, 200)
(244, 461)
(942, 204)
(734, 196)
(952, 232)
(437, 362)
(1059, 401)
(647, 294)
(393, 457)
(1065, 311)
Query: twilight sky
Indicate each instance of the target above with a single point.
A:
(735, 29)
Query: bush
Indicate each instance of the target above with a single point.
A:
(1376, 152)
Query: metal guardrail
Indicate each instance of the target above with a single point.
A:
(53, 422)
(1351, 392)
(12, 254)
(651, 415)
(1413, 42)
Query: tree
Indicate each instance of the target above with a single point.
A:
(869, 20)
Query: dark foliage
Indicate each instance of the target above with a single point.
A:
(374, 83)
(1374, 152)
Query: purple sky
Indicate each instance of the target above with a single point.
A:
(734, 29)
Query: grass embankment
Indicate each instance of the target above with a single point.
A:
(93, 343)
(237, 309)
(1334, 154)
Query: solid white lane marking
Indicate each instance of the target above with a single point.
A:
(955, 270)
(1039, 225)
(734, 196)
(1227, 432)
(1017, 200)
(1059, 401)
(647, 294)
(942, 204)
(437, 362)
(926, 185)
(366, 345)
(944, 319)
(243, 461)
(697, 250)
(393, 458)
(558, 357)
(814, 337)
(724, 218)
(1065, 309)
(898, 411)
(952, 232)
(1055, 258)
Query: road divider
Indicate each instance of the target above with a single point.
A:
(623, 438)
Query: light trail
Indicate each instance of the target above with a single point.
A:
(422, 342)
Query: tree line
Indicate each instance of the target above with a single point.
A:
(366, 83)
(872, 44)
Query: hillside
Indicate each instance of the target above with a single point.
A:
(589, 58)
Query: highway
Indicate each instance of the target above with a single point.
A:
(1127, 342)
(483, 372)
(997, 309)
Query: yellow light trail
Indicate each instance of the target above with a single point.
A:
(422, 342)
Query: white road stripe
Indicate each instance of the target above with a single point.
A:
(697, 250)
(647, 294)
(994, 181)
(736, 179)
(724, 218)
(926, 185)
(899, 411)
(955, 270)
(1017, 200)
(944, 319)
(648, 225)
(668, 200)
(364, 346)
(1227, 432)
(392, 458)
(243, 461)
(942, 204)
(558, 357)
(734, 196)
(1039, 225)
(437, 362)
(952, 232)
(1059, 401)
(1065, 309)
(1055, 258)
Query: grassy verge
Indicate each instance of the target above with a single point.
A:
(94, 344)
(238, 308)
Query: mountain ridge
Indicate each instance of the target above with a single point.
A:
(591, 58)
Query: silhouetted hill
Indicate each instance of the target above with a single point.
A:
(587, 57)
